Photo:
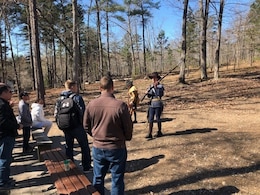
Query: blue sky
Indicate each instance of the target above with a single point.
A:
(169, 16)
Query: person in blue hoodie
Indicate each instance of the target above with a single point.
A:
(78, 132)
(8, 132)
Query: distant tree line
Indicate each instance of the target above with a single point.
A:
(64, 39)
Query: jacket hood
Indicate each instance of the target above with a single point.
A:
(36, 105)
(65, 93)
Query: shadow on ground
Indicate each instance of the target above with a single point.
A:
(226, 190)
(140, 164)
(195, 178)
(192, 131)
(163, 120)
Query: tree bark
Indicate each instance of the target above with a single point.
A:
(12, 54)
(2, 59)
(204, 21)
(217, 51)
(108, 40)
(36, 49)
(31, 51)
(99, 41)
(75, 73)
(183, 46)
(143, 35)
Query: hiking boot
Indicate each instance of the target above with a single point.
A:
(159, 134)
(149, 136)
(28, 150)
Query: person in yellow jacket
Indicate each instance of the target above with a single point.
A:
(133, 99)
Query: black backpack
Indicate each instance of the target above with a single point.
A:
(67, 117)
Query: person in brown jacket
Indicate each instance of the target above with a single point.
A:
(109, 122)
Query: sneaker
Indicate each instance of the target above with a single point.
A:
(87, 170)
(8, 185)
(159, 134)
(149, 136)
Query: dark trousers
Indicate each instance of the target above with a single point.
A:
(80, 135)
(26, 137)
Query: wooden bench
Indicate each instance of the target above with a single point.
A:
(43, 142)
(71, 182)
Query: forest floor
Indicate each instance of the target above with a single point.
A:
(211, 135)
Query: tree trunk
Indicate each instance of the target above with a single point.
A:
(217, 51)
(87, 52)
(2, 59)
(31, 52)
(144, 47)
(75, 73)
(136, 36)
(36, 49)
(132, 46)
(54, 69)
(99, 40)
(183, 46)
(12, 54)
(203, 53)
(108, 46)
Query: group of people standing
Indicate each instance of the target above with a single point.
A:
(106, 119)
(154, 93)
(9, 124)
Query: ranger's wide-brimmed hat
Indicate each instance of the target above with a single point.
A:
(154, 75)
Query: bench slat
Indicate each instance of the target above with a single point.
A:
(61, 188)
(72, 182)
(43, 142)
(63, 176)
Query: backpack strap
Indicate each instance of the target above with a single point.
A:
(79, 108)
(72, 95)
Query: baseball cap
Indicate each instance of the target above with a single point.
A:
(24, 93)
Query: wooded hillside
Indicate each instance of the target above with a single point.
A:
(76, 40)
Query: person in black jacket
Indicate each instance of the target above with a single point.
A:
(8, 132)
(77, 132)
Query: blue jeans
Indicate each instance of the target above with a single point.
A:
(115, 161)
(154, 112)
(6, 149)
(80, 135)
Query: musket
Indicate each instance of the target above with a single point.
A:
(170, 71)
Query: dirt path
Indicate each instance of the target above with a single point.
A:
(202, 152)
(211, 143)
